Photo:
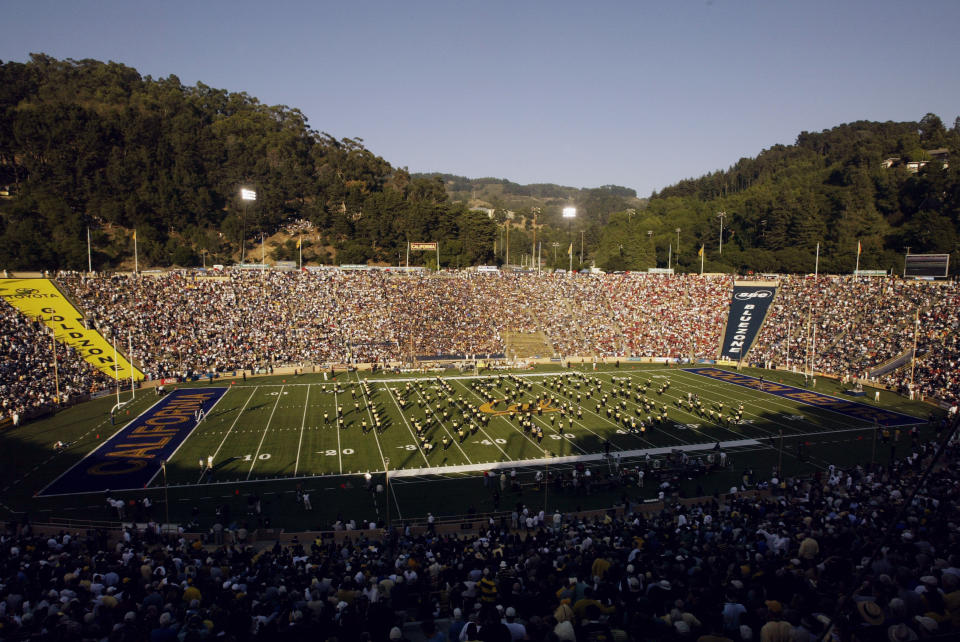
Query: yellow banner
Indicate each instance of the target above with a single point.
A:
(40, 299)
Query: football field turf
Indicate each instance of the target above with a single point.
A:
(294, 429)
(266, 436)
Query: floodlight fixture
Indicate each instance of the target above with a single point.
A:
(569, 212)
(248, 194)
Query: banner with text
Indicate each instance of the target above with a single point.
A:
(748, 308)
(431, 246)
(40, 299)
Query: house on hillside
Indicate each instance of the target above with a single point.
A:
(941, 155)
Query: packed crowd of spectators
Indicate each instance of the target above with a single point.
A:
(851, 326)
(27, 378)
(181, 325)
(853, 548)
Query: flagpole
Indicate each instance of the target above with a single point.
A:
(89, 254)
(133, 390)
(701, 260)
(116, 370)
(56, 374)
(913, 360)
(813, 352)
(816, 266)
(539, 258)
(856, 271)
(570, 253)
(408, 255)
(300, 247)
(136, 261)
(789, 324)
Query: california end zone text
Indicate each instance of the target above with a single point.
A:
(132, 457)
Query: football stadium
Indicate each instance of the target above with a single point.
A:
(480, 322)
(327, 407)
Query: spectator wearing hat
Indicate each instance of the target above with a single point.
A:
(457, 624)
(870, 627)
(776, 629)
(563, 629)
(901, 633)
(517, 630)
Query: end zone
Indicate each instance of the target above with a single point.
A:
(851, 409)
(132, 457)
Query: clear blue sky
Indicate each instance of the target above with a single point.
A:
(584, 93)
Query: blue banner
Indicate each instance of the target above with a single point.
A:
(748, 309)
(853, 409)
(132, 457)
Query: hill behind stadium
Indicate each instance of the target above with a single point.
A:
(86, 144)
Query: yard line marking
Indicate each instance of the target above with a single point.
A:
(602, 418)
(366, 401)
(217, 451)
(416, 442)
(263, 436)
(306, 404)
(631, 400)
(336, 412)
(453, 439)
(510, 423)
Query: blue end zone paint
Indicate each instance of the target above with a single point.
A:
(852, 409)
(132, 457)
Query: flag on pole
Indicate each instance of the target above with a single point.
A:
(700, 253)
(299, 242)
(570, 250)
(134, 235)
(859, 249)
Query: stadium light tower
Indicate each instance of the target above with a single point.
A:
(246, 195)
(570, 213)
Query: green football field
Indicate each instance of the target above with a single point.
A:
(294, 429)
(437, 434)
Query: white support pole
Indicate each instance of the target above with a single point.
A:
(133, 390)
(116, 370)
